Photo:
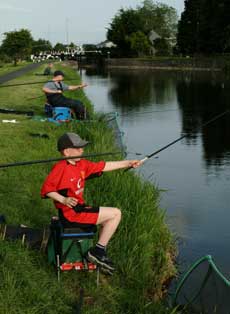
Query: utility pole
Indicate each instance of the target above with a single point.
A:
(48, 33)
(67, 31)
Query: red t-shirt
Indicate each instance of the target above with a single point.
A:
(71, 179)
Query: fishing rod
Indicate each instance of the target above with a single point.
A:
(14, 111)
(145, 112)
(35, 97)
(31, 83)
(179, 139)
(32, 162)
(44, 96)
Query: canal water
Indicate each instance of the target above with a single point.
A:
(194, 174)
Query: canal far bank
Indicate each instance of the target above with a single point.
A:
(171, 63)
(143, 248)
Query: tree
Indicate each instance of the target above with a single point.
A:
(89, 47)
(162, 47)
(188, 28)
(140, 43)
(224, 24)
(204, 27)
(158, 17)
(72, 46)
(17, 44)
(226, 39)
(59, 47)
(123, 25)
(150, 16)
(41, 45)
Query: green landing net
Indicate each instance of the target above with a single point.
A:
(203, 289)
(112, 120)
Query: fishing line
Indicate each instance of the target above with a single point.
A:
(14, 111)
(32, 162)
(134, 153)
(83, 96)
(35, 97)
(31, 83)
(145, 112)
(179, 139)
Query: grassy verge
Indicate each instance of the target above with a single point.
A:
(141, 248)
(9, 67)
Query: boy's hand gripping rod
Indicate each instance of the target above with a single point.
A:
(179, 139)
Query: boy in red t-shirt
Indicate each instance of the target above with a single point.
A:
(65, 185)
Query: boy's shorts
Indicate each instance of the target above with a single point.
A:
(87, 216)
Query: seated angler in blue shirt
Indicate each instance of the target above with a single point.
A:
(54, 92)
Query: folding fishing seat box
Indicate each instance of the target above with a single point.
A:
(67, 247)
(62, 114)
(58, 114)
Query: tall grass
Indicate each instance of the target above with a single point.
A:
(141, 248)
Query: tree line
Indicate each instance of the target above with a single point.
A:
(152, 28)
(204, 27)
(131, 29)
(19, 45)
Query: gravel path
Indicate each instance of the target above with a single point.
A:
(12, 75)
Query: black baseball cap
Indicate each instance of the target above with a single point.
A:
(56, 73)
(70, 140)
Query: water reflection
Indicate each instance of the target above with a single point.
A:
(136, 90)
(141, 90)
(202, 96)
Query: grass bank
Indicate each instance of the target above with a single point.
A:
(6, 68)
(142, 247)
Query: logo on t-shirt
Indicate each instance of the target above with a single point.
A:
(83, 175)
(79, 183)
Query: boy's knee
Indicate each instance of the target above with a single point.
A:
(117, 213)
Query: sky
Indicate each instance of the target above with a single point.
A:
(66, 21)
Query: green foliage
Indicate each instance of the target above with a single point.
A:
(4, 58)
(72, 45)
(41, 45)
(162, 47)
(226, 39)
(89, 47)
(142, 20)
(158, 17)
(204, 27)
(123, 25)
(140, 43)
(17, 44)
(60, 47)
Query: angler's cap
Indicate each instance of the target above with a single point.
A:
(57, 73)
(70, 140)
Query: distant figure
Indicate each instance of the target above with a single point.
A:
(54, 92)
(48, 69)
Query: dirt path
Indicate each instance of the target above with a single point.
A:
(12, 75)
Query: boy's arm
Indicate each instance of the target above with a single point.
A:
(115, 165)
(68, 201)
